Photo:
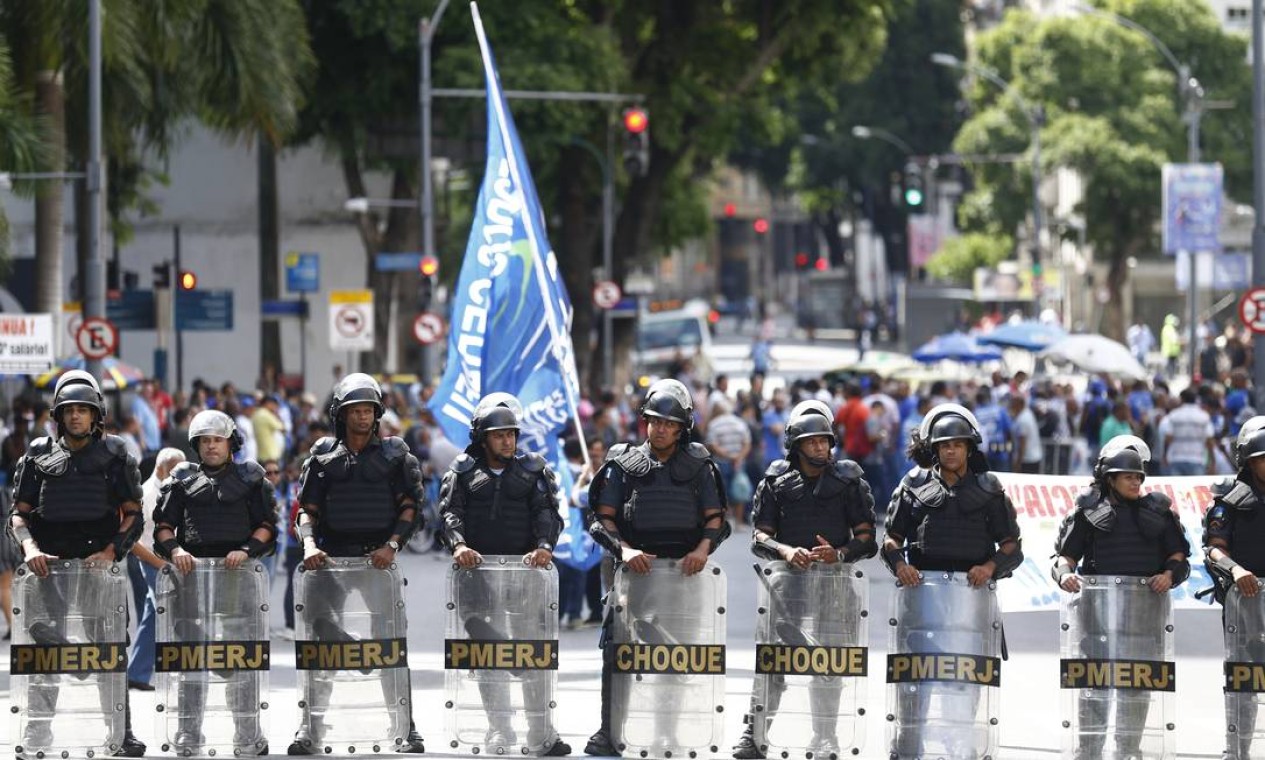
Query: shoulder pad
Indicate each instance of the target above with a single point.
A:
(1088, 498)
(394, 447)
(1158, 501)
(989, 482)
(463, 463)
(777, 468)
(918, 476)
(697, 450)
(114, 445)
(1239, 496)
(185, 471)
(41, 445)
(324, 445)
(632, 459)
(531, 461)
(617, 450)
(847, 470)
(1223, 487)
(250, 472)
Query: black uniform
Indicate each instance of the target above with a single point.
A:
(76, 504)
(794, 509)
(662, 508)
(1127, 539)
(213, 514)
(511, 512)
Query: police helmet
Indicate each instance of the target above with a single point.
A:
(950, 422)
(77, 387)
(807, 425)
(812, 406)
(499, 414)
(356, 388)
(216, 423)
(669, 400)
(1121, 460)
(1250, 443)
(1116, 445)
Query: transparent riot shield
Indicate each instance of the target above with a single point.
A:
(1117, 671)
(68, 660)
(667, 651)
(943, 670)
(501, 657)
(351, 653)
(1244, 673)
(810, 660)
(212, 658)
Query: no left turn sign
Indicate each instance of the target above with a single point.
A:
(1252, 310)
(428, 328)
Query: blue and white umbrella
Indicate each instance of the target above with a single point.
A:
(956, 346)
(1030, 335)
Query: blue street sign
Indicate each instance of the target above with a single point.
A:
(303, 272)
(131, 310)
(204, 310)
(397, 262)
(284, 308)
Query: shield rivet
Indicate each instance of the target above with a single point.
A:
(159, 708)
(865, 613)
(452, 606)
(448, 705)
(891, 621)
(377, 748)
(263, 705)
(263, 607)
(1067, 724)
(1169, 628)
(552, 704)
(860, 711)
(890, 718)
(720, 610)
(992, 721)
(720, 708)
(298, 608)
(1170, 726)
(474, 750)
(761, 611)
(302, 703)
(452, 744)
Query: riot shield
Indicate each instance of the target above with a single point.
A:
(212, 658)
(1117, 671)
(810, 660)
(501, 656)
(1244, 673)
(944, 670)
(68, 661)
(667, 653)
(351, 653)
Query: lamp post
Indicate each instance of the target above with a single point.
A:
(1036, 119)
(425, 35)
(862, 132)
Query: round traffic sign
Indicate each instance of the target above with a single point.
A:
(350, 321)
(96, 338)
(1252, 310)
(428, 328)
(606, 294)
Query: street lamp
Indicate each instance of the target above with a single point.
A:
(1036, 118)
(362, 205)
(862, 132)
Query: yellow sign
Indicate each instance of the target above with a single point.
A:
(681, 659)
(42, 659)
(1244, 677)
(963, 668)
(212, 655)
(1140, 675)
(784, 659)
(366, 655)
(466, 654)
(351, 296)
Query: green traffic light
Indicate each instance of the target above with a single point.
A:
(913, 196)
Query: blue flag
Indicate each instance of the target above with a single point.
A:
(511, 316)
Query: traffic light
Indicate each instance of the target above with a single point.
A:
(760, 225)
(636, 141)
(162, 276)
(915, 188)
(801, 260)
(429, 265)
(188, 280)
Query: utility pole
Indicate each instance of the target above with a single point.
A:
(1258, 183)
(425, 34)
(94, 277)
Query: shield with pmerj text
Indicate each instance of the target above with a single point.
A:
(943, 669)
(501, 657)
(212, 658)
(1117, 670)
(811, 660)
(68, 661)
(1244, 673)
(667, 653)
(351, 652)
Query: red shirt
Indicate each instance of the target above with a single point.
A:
(852, 417)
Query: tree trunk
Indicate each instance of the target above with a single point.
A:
(576, 259)
(1113, 325)
(269, 257)
(403, 234)
(49, 200)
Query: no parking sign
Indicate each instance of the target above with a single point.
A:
(351, 320)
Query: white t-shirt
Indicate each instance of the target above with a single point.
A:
(149, 500)
(1026, 426)
(1190, 427)
(727, 435)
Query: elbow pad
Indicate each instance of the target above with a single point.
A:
(1060, 570)
(717, 536)
(765, 546)
(1180, 569)
(607, 539)
(860, 548)
(892, 557)
(1007, 563)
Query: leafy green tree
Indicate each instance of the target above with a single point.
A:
(960, 256)
(1112, 114)
(20, 146)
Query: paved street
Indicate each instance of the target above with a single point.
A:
(1029, 700)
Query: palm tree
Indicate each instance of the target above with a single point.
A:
(20, 147)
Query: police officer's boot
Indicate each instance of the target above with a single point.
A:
(192, 703)
(540, 729)
(307, 739)
(500, 735)
(131, 746)
(746, 748)
(41, 709)
(601, 743)
(824, 698)
(243, 699)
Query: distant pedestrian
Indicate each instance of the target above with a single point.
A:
(1187, 433)
(1029, 452)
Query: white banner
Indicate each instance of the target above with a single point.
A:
(26, 344)
(1042, 501)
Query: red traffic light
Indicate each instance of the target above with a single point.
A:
(188, 280)
(760, 225)
(429, 265)
(731, 210)
(801, 260)
(822, 265)
(636, 120)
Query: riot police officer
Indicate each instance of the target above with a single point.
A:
(1234, 545)
(1115, 530)
(948, 514)
(810, 508)
(359, 496)
(663, 498)
(497, 500)
(214, 508)
(76, 497)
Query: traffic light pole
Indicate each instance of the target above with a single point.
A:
(1258, 184)
(94, 277)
